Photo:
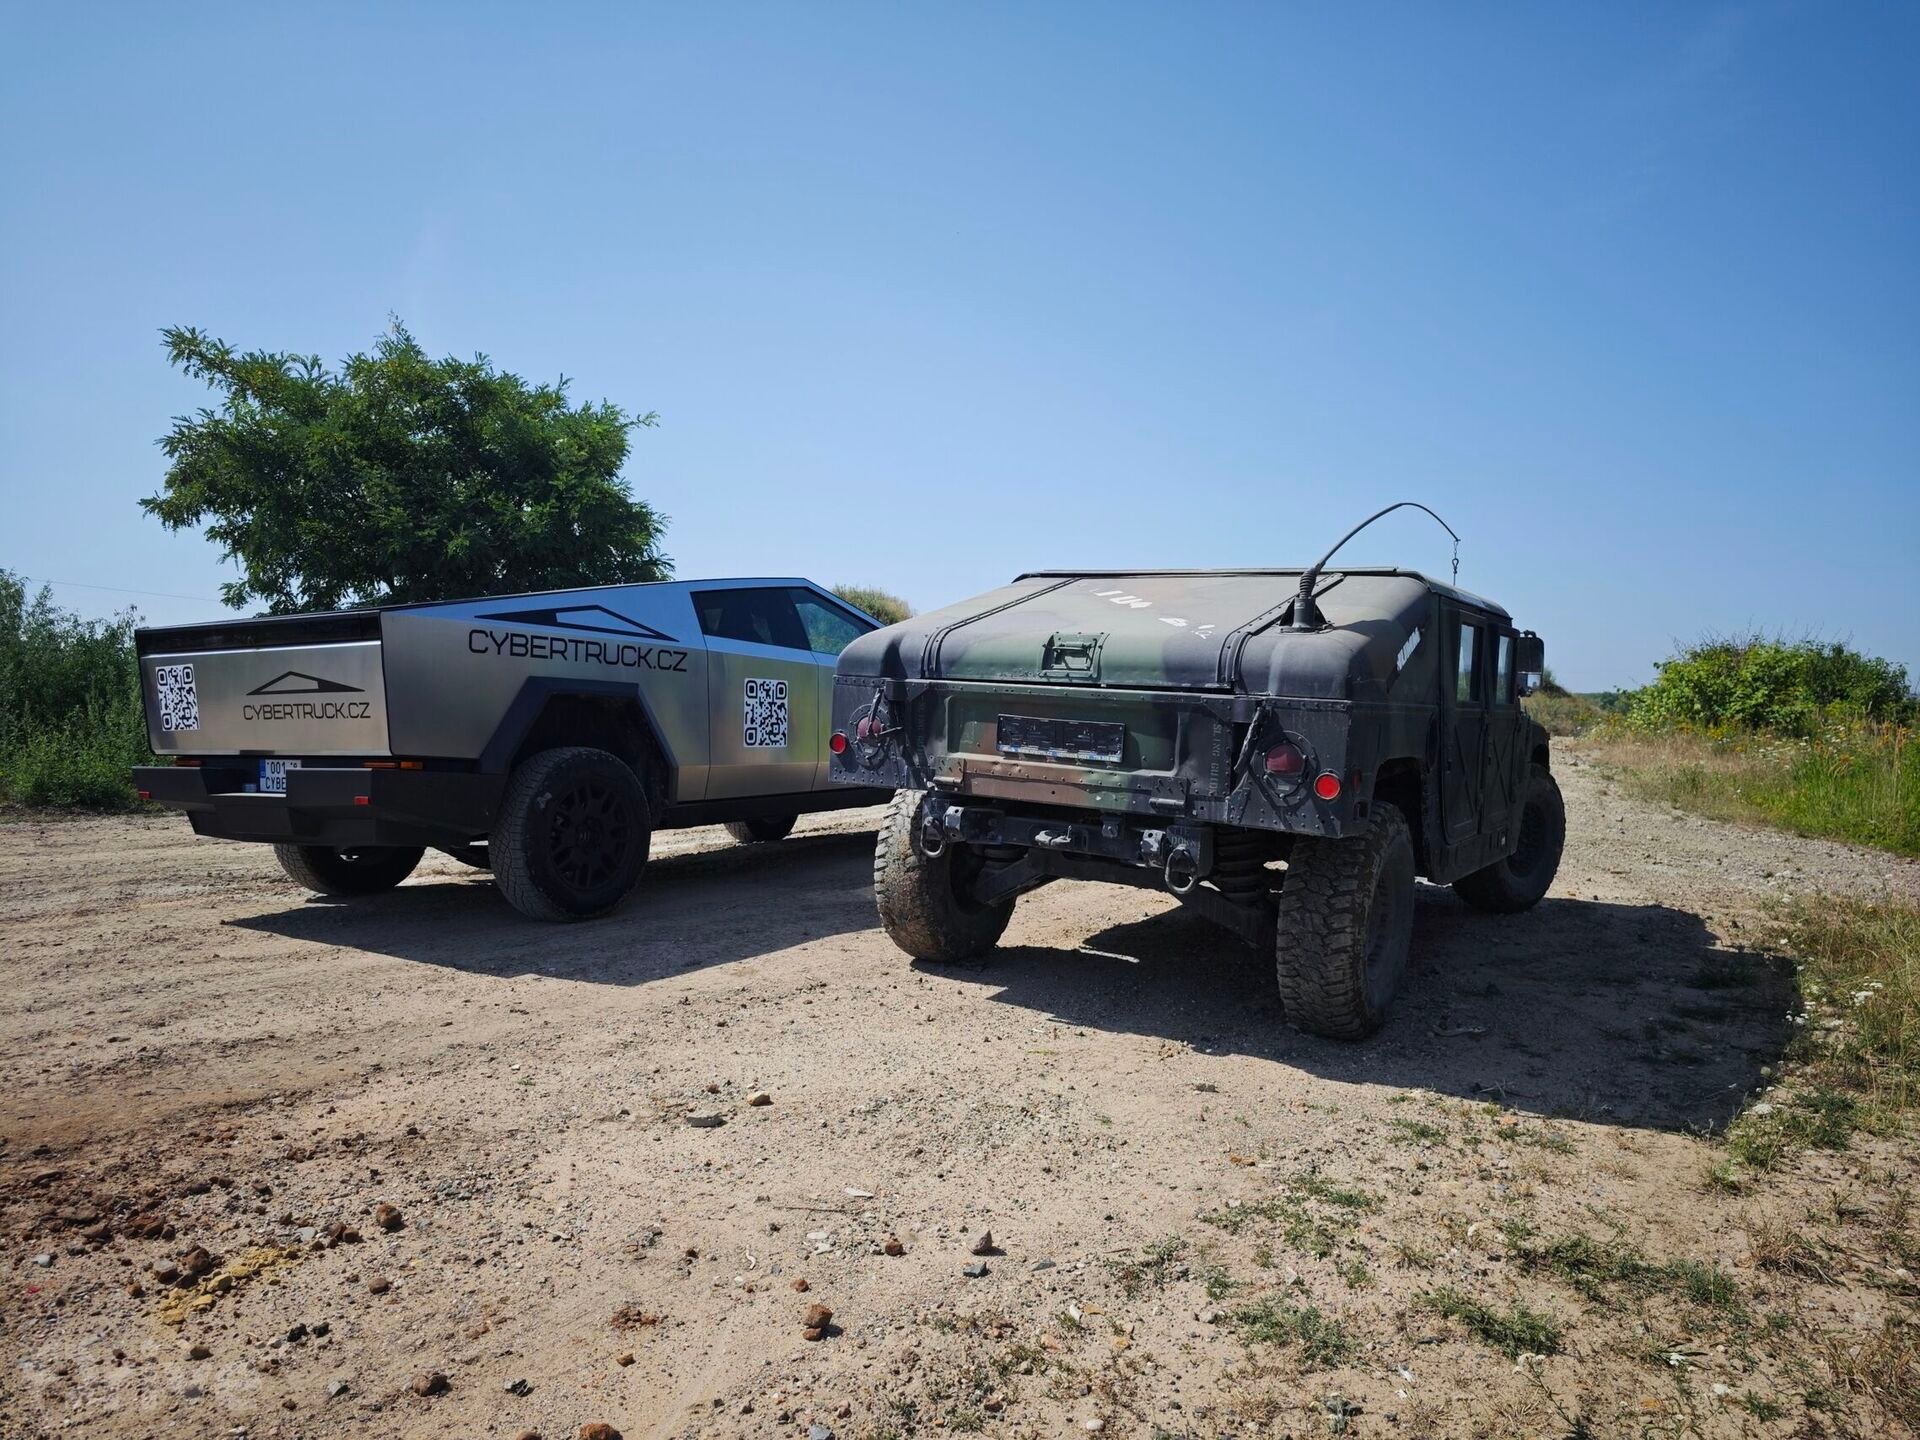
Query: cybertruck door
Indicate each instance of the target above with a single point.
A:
(830, 627)
(764, 735)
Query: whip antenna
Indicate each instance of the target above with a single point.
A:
(1306, 613)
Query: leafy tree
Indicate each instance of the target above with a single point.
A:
(400, 478)
(1754, 682)
(883, 605)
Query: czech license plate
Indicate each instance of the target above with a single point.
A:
(273, 775)
(1061, 739)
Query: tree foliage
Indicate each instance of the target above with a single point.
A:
(883, 605)
(1753, 682)
(400, 478)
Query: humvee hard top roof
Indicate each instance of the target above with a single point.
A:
(1452, 592)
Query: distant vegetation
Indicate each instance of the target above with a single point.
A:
(881, 604)
(70, 718)
(1815, 737)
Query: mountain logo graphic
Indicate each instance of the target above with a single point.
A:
(595, 619)
(298, 682)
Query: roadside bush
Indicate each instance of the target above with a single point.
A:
(883, 605)
(70, 717)
(1756, 683)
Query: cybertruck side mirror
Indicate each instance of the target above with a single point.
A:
(1530, 661)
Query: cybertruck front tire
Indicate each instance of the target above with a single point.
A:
(352, 870)
(924, 906)
(1522, 879)
(1345, 927)
(762, 830)
(572, 834)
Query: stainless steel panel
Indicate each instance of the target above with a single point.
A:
(738, 677)
(286, 700)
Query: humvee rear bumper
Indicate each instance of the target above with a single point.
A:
(347, 805)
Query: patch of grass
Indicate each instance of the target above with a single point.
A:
(1514, 1331)
(1314, 1186)
(1421, 1132)
(1356, 1273)
(1591, 1266)
(1760, 1407)
(1150, 1267)
(1322, 1340)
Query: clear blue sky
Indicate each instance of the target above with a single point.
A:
(929, 295)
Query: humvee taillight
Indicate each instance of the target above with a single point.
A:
(1286, 759)
(1327, 785)
(837, 742)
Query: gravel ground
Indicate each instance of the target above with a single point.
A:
(1201, 1222)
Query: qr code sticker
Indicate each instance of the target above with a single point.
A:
(764, 715)
(179, 701)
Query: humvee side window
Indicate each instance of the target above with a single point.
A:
(759, 617)
(1469, 657)
(1503, 671)
(829, 628)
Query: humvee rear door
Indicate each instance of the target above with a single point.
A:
(1463, 722)
(764, 735)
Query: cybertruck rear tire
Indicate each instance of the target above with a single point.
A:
(572, 834)
(1345, 926)
(1520, 881)
(348, 870)
(762, 830)
(923, 899)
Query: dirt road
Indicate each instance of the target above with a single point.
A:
(1202, 1223)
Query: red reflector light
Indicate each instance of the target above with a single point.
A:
(182, 761)
(1286, 759)
(837, 742)
(368, 799)
(1327, 785)
(144, 794)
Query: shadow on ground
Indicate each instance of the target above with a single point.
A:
(689, 911)
(1627, 1014)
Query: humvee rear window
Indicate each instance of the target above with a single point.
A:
(1469, 658)
(1503, 671)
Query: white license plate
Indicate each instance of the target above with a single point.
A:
(273, 775)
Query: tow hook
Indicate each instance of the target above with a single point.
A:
(933, 835)
(1182, 870)
(1054, 839)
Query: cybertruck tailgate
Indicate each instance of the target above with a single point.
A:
(299, 686)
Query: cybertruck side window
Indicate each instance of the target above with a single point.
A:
(759, 617)
(829, 628)
(1466, 691)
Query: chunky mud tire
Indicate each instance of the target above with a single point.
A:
(1519, 881)
(922, 904)
(762, 830)
(572, 834)
(1345, 926)
(352, 870)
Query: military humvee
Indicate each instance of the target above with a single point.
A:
(1283, 750)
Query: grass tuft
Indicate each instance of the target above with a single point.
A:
(1322, 1340)
(1514, 1331)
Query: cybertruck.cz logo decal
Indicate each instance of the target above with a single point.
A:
(281, 702)
(622, 650)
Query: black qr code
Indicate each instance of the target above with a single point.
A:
(179, 702)
(764, 714)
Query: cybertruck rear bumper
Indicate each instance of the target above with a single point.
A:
(348, 805)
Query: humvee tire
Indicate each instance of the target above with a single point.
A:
(1520, 880)
(921, 905)
(572, 833)
(348, 870)
(762, 830)
(1345, 926)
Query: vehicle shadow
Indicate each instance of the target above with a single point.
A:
(1628, 1014)
(690, 910)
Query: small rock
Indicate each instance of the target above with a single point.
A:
(289, 1404)
(984, 1245)
(801, 1285)
(296, 1334)
(976, 1271)
(337, 1388)
(624, 1358)
(818, 1317)
(322, 1327)
(1043, 1265)
(817, 1431)
(379, 1285)
(199, 1350)
(528, 1435)
(1207, 1087)
(97, 1234)
(598, 1430)
(519, 1387)
(1093, 1426)
(44, 1261)
(759, 1097)
(893, 1247)
(431, 1383)
(196, 1262)
(706, 1122)
(387, 1217)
